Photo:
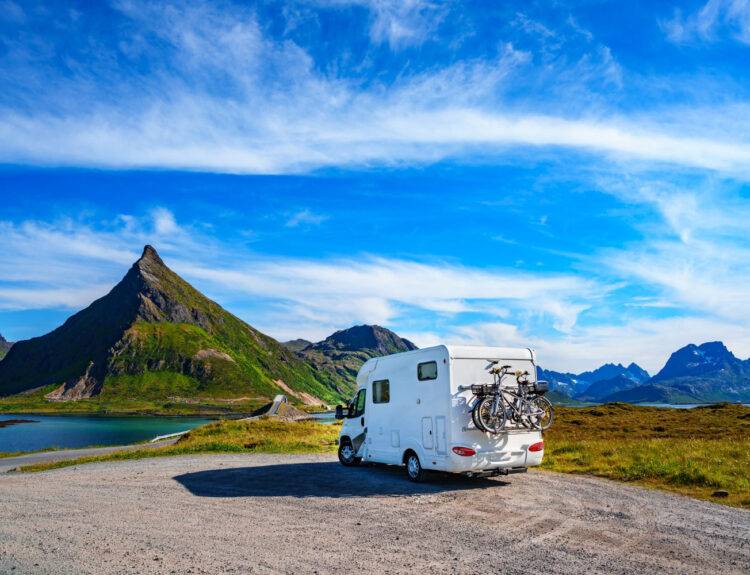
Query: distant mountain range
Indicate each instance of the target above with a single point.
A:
(5, 346)
(595, 384)
(694, 374)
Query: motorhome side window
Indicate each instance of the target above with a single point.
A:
(427, 370)
(381, 391)
(358, 404)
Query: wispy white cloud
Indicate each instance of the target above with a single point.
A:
(305, 217)
(57, 263)
(713, 21)
(278, 112)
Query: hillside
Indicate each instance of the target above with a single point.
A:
(5, 346)
(155, 338)
(695, 374)
(339, 357)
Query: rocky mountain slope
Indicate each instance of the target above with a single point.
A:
(601, 389)
(5, 346)
(339, 357)
(155, 336)
(695, 373)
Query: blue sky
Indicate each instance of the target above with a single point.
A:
(569, 176)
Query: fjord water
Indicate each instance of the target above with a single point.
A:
(83, 431)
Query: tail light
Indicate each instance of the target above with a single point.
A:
(464, 451)
(537, 446)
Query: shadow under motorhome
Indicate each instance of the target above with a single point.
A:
(414, 409)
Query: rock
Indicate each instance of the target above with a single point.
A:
(720, 493)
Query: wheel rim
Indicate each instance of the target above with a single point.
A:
(490, 422)
(347, 452)
(541, 416)
(412, 466)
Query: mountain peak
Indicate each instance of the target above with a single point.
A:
(149, 264)
(150, 255)
(341, 354)
(365, 336)
(715, 348)
(697, 361)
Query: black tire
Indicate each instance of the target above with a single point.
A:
(541, 422)
(414, 470)
(475, 416)
(493, 424)
(346, 454)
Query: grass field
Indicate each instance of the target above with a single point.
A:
(690, 451)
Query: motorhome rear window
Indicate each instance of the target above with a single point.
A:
(427, 370)
(381, 391)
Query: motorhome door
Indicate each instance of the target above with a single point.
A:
(357, 427)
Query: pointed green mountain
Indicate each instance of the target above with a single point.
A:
(156, 338)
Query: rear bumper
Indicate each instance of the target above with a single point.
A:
(494, 461)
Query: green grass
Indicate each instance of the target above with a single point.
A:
(690, 451)
(264, 435)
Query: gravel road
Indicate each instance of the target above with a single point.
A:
(307, 514)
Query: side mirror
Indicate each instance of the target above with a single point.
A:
(342, 412)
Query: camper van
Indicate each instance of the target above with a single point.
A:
(414, 409)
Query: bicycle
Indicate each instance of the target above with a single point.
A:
(496, 404)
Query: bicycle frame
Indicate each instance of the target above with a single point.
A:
(519, 405)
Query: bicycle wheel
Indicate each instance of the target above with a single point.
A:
(475, 416)
(493, 423)
(540, 413)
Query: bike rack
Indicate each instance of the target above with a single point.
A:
(507, 429)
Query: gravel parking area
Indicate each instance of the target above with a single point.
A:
(307, 514)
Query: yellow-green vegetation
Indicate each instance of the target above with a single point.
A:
(264, 435)
(691, 451)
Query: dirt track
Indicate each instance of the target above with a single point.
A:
(306, 514)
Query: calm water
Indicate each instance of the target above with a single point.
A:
(85, 431)
(327, 417)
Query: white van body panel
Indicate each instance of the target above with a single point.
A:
(433, 416)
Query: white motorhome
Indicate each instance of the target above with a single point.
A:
(414, 409)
